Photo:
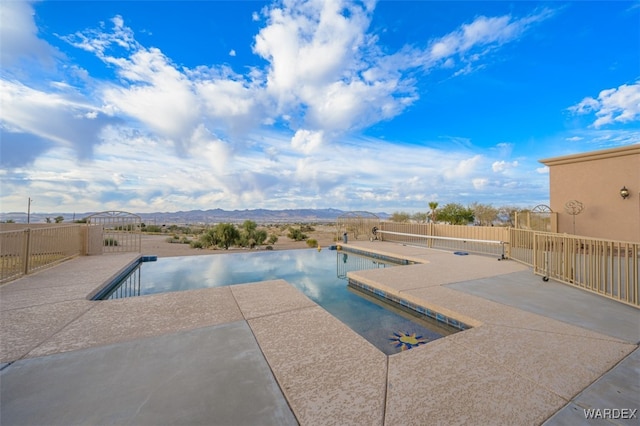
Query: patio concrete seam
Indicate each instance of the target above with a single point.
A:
(273, 373)
(574, 399)
(5, 309)
(244, 318)
(77, 317)
(300, 308)
(386, 393)
(603, 337)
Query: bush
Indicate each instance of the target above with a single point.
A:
(312, 243)
(196, 244)
(296, 234)
(153, 228)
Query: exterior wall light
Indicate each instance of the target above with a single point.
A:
(624, 193)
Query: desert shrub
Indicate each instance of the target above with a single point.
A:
(312, 243)
(296, 234)
(153, 228)
(196, 244)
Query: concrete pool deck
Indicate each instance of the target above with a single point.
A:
(263, 353)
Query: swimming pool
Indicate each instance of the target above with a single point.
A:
(320, 275)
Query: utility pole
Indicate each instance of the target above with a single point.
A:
(29, 211)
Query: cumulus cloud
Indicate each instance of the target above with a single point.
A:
(323, 61)
(464, 167)
(325, 77)
(307, 141)
(617, 105)
(325, 73)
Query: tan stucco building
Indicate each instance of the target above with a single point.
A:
(595, 179)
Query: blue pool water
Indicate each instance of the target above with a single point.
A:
(320, 275)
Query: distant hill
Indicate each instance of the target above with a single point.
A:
(205, 216)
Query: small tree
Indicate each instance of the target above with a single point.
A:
(400, 217)
(419, 217)
(260, 237)
(58, 219)
(209, 238)
(456, 214)
(227, 234)
(485, 214)
(433, 205)
(296, 234)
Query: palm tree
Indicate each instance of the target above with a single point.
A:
(433, 205)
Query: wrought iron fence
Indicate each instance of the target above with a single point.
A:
(120, 232)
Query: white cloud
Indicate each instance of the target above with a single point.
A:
(463, 168)
(620, 105)
(502, 166)
(19, 36)
(480, 183)
(165, 137)
(307, 141)
(483, 33)
(164, 99)
(232, 52)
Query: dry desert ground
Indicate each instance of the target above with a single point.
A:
(159, 245)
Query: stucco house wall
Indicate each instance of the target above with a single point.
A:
(595, 179)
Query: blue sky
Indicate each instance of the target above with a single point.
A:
(152, 106)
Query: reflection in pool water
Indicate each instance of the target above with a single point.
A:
(320, 275)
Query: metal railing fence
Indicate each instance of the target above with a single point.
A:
(27, 250)
(477, 239)
(608, 268)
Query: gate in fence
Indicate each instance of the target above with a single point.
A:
(114, 232)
